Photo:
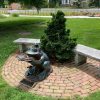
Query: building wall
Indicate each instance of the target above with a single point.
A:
(70, 2)
(64, 2)
(15, 6)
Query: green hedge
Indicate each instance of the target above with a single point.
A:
(14, 15)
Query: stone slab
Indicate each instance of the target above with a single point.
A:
(27, 41)
(87, 51)
(26, 82)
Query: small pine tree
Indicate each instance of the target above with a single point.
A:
(57, 42)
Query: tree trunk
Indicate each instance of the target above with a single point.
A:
(38, 10)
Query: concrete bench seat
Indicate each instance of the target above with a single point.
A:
(25, 42)
(82, 52)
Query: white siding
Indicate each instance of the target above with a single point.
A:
(65, 2)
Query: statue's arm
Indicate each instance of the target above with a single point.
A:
(38, 61)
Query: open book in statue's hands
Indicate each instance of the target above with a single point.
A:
(24, 57)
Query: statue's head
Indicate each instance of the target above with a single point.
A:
(34, 52)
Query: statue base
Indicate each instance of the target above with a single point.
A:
(26, 82)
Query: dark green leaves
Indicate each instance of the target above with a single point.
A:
(57, 42)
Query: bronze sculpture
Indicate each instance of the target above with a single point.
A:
(40, 64)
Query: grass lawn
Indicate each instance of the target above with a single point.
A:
(87, 31)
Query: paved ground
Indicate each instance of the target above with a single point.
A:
(66, 80)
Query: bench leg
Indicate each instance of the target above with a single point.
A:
(22, 48)
(80, 59)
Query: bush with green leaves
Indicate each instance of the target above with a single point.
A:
(56, 41)
(15, 15)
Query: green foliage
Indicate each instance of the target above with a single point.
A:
(15, 15)
(54, 3)
(97, 3)
(77, 3)
(38, 4)
(1, 3)
(57, 42)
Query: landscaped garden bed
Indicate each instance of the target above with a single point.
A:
(85, 30)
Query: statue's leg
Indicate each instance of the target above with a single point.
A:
(47, 70)
(47, 67)
(30, 71)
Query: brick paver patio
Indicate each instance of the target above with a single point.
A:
(66, 80)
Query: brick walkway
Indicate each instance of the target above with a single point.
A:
(66, 80)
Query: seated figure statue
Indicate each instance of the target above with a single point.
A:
(40, 65)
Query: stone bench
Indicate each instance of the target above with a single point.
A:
(24, 43)
(82, 52)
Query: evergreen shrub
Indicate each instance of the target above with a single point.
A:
(56, 41)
